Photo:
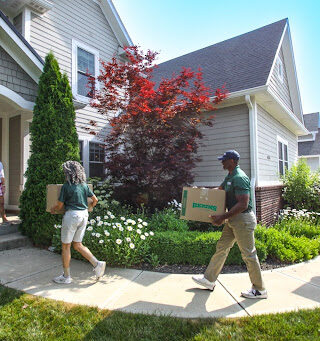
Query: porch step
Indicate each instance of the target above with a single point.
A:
(8, 228)
(13, 241)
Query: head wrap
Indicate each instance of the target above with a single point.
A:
(74, 172)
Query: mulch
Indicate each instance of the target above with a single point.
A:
(199, 269)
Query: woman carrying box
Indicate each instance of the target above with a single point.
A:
(74, 197)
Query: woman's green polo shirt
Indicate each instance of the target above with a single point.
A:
(75, 197)
(234, 184)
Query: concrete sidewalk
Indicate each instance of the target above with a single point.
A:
(31, 270)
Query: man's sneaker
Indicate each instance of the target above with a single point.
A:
(62, 280)
(200, 279)
(253, 293)
(99, 269)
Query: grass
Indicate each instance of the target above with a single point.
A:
(26, 317)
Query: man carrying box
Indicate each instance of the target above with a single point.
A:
(240, 225)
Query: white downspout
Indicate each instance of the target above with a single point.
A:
(253, 147)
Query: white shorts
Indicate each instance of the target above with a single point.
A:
(74, 225)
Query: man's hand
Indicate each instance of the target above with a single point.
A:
(52, 209)
(217, 220)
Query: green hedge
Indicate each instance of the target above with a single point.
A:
(194, 248)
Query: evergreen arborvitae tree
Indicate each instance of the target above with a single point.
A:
(54, 141)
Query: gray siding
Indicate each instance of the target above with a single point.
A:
(230, 131)
(268, 130)
(281, 89)
(83, 21)
(15, 78)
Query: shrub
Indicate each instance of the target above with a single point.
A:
(54, 141)
(168, 220)
(194, 247)
(117, 240)
(302, 187)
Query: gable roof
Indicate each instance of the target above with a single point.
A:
(311, 121)
(306, 148)
(242, 62)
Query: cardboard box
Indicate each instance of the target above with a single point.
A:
(53, 192)
(199, 203)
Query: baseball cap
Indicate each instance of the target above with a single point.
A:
(230, 154)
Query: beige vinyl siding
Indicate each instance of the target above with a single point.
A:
(230, 131)
(279, 88)
(84, 21)
(268, 130)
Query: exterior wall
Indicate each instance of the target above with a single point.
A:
(313, 162)
(83, 21)
(14, 159)
(268, 203)
(281, 89)
(268, 130)
(230, 131)
(15, 78)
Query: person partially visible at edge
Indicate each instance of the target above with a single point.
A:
(2, 192)
(240, 222)
(74, 197)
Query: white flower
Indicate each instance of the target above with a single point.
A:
(100, 223)
(143, 237)
(106, 233)
(98, 235)
(106, 217)
(131, 246)
(112, 216)
(145, 224)
(121, 228)
(139, 231)
(146, 234)
(151, 233)
(140, 226)
(92, 221)
(105, 223)
(108, 212)
(118, 225)
(101, 241)
(126, 223)
(114, 226)
(128, 239)
(118, 241)
(93, 234)
(139, 220)
(123, 218)
(129, 228)
(133, 222)
(89, 228)
(98, 218)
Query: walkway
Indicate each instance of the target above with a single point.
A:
(31, 270)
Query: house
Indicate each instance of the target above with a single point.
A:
(309, 145)
(79, 32)
(262, 117)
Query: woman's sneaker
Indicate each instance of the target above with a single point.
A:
(99, 269)
(200, 279)
(62, 280)
(253, 293)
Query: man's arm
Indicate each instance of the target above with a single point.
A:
(3, 185)
(240, 206)
(94, 200)
(57, 207)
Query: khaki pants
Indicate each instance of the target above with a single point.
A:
(239, 228)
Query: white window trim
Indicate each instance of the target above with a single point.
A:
(75, 45)
(86, 151)
(280, 74)
(284, 142)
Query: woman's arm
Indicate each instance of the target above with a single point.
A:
(57, 207)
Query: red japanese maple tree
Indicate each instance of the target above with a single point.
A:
(154, 136)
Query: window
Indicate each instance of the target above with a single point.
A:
(282, 155)
(81, 151)
(17, 22)
(85, 62)
(280, 69)
(96, 160)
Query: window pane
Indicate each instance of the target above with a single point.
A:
(96, 169)
(83, 87)
(286, 165)
(85, 61)
(280, 167)
(81, 151)
(96, 160)
(285, 152)
(280, 150)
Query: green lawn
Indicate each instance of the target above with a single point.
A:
(25, 317)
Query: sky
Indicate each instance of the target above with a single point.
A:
(176, 27)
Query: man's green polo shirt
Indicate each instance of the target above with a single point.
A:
(236, 183)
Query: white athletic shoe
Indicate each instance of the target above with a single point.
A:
(253, 293)
(200, 279)
(99, 269)
(62, 280)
